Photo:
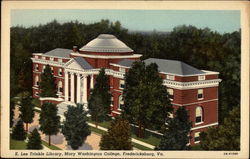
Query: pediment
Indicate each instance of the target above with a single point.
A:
(72, 64)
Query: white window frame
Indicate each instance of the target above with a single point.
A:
(201, 78)
(44, 66)
(120, 102)
(60, 60)
(59, 85)
(112, 101)
(170, 77)
(36, 57)
(171, 93)
(200, 91)
(197, 134)
(122, 81)
(37, 93)
(60, 72)
(51, 58)
(36, 80)
(52, 70)
(36, 67)
(43, 57)
(199, 114)
(121, 69)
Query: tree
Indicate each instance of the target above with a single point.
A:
(100, 99)
(146, 101)
(75, 127)
(118, 136)
(224, 137)
(47, 85)
(18, 132)
(49, 120)
(176, 133)
(35, 142)
(27, 110)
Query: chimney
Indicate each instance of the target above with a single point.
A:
(75, 49)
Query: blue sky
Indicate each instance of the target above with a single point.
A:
(135, 20)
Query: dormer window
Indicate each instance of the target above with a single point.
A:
(170, 77)
(122, 69)
(202, 77)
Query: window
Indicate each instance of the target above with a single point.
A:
(36, 94)
(44, 58)
(60, 72)
(171, 93)
(122, 84)
(197, 137)
(112, 100)
(200, 94)
(122, 69)
(36, 81)
(170, 77)
(36, 67)
(44, 67)
(121, 102)
(52, 70)
(60, 87)
(59, 60)
(198, 115)
(202, 77)
(36, 57)
(51, 58)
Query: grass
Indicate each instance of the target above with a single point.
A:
(17, 145)
(105, 124)
(140, 147)
(52, 147)
(96, 130)
(196, 147)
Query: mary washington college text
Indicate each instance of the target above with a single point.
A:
(86, 154)
(75, 72)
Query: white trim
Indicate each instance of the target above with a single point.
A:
(107, 57)
(45, 62)
(35, 87)
(42, 54)
(117, 90)
(199, 123)
(206, 72)
(115, 112)
(51, 98)
(204, 126)
(191, 85)
(117, 65)
(211, 100)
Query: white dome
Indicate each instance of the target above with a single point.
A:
(106, 43)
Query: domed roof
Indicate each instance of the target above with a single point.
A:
(106, 43)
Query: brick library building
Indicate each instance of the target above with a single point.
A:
(75, 72)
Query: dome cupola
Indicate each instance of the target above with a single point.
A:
(106, 43)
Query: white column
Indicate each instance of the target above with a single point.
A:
(72, 91)
(66, 86)
(78, 87)
(85, 89)
(92, 81)
(82, 93)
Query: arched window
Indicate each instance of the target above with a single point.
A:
(198, 114)
(60, 87)
(37, 80)
(121, 102)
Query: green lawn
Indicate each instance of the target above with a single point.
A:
(17, 145)
(196, 147)
(96, 130)
(52, 147)
(140, 147)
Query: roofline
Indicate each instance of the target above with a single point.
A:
(107, 57)
(198, 74)
(42, 54)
